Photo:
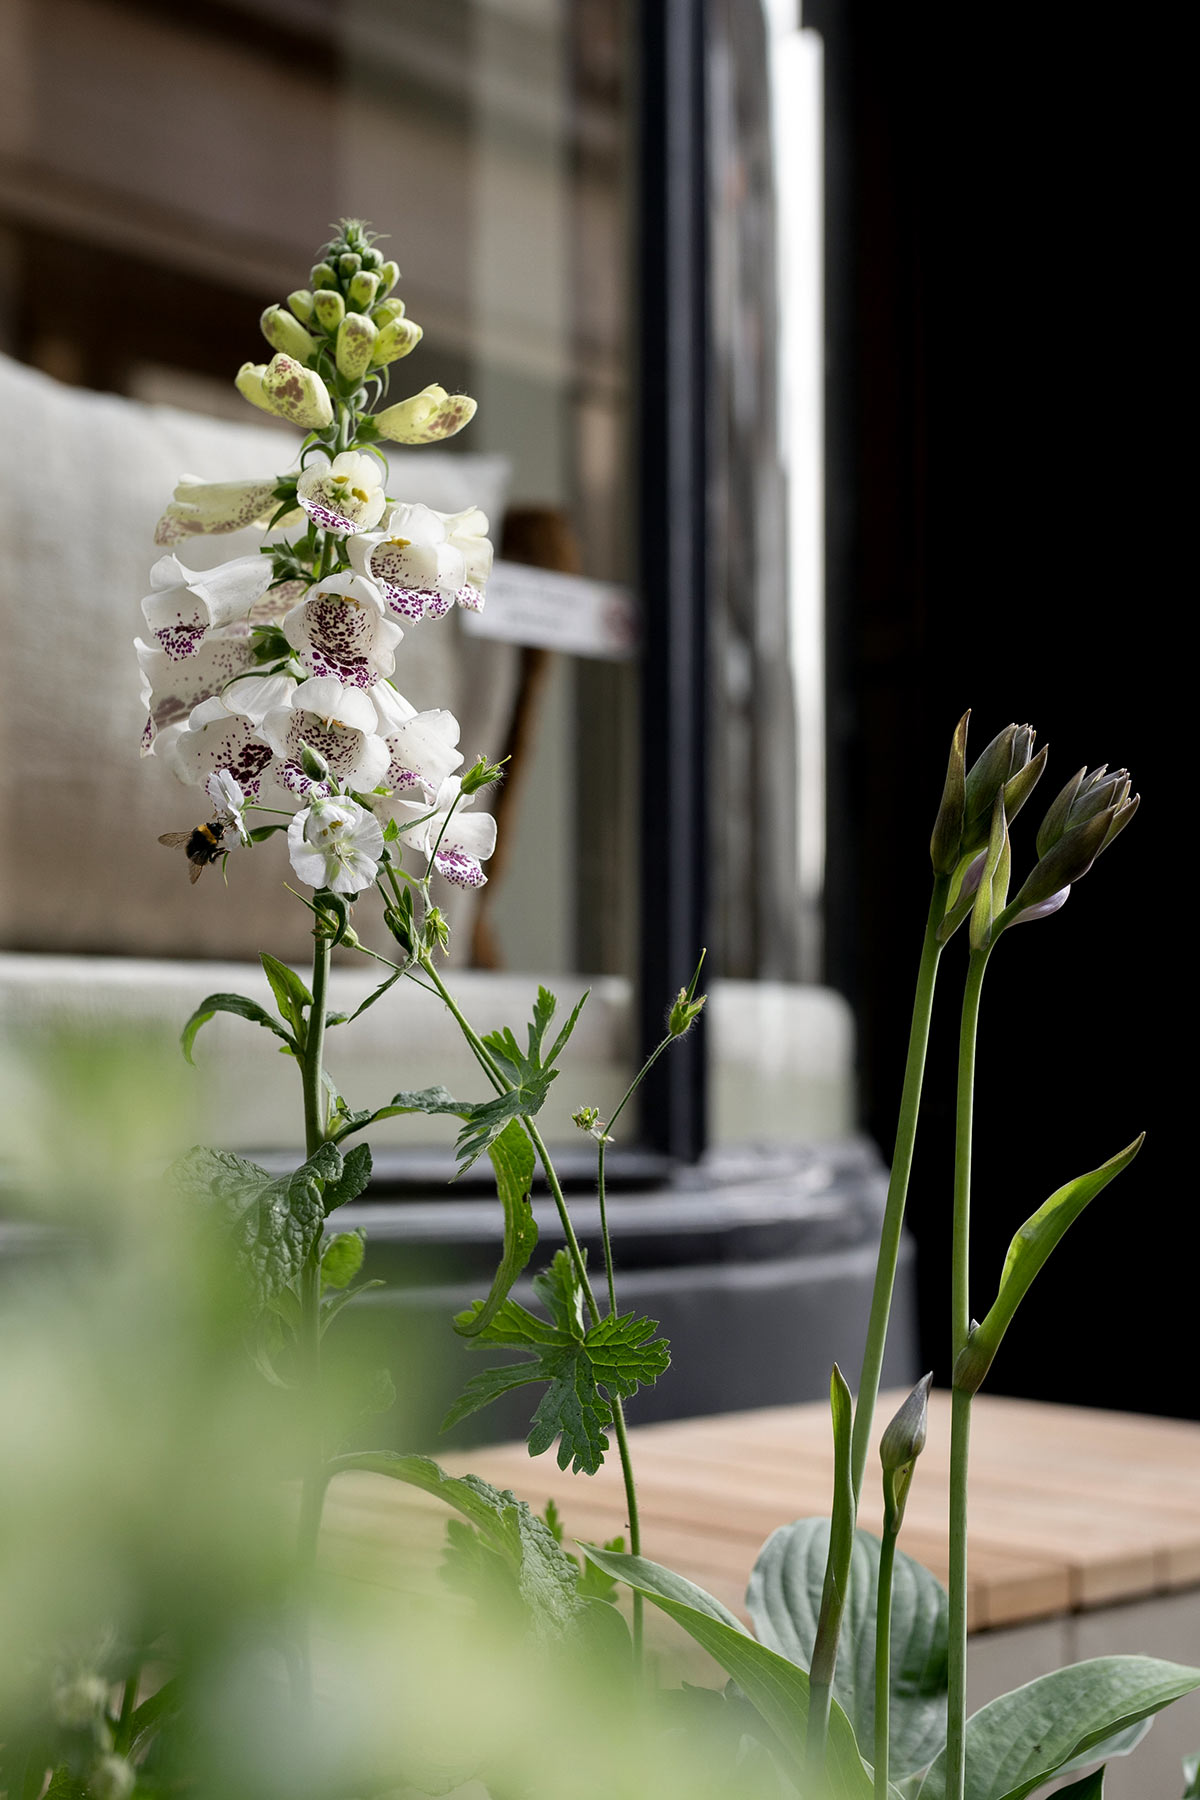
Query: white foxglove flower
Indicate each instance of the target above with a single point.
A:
(462, 842)
(426, 417)
(340, 628)
(228, 800)
(208, 508)
(343, 495)
(256, 694)
(336, 844)
(289, 390)
(336, 721)
(217, 738)
(423, 561)
(423, 746)
(172, 687)
(189, 603)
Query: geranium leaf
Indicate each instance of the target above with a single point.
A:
(511, 1157)
(484, 1122)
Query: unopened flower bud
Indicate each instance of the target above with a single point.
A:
(349, 263)
(1084, 796)
(1068, 861)
(904, 1439)
(287, 389)
(1004, 758)
(313, 763)
(362, 290)
(355, 342)
(437, 929)
(300, 303)
(586, 1118)
(948, 826)
(329, 308)
(323, 275)
(386, 311)
(389, 275)
(371, 257)
(400, 926)
(426, 418)
(992, 892)
(284, 332)
(481, 774)
(396, 340)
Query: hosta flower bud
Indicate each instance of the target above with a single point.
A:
(1084, 796)
(355, 342)
(362, 290)
(947, 829)
(389, 275)
(323, 275)
(329, 308)
(999, 766)
(904, 1439)
(287, 389)
(426, 418)
(396, 340)
(301, 303)
(284, 332)
(349, 263)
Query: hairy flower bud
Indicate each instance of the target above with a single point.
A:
(426, 418)
(355, 342)
(283, 331)
(362, 290)
(329, 308)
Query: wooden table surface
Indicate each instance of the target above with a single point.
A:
(1070, 1508)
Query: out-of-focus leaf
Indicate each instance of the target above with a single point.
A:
(243, 1008)
(342, 1258)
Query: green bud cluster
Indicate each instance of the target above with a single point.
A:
(346, 310)
(481, 774)
(1007, 768)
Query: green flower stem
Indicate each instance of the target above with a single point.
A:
(960, 1415)
(883, 1649)
(312, 1496)
(897, 1194)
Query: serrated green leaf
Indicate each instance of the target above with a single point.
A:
(546, 1576)
(243, 1009)
(1027, 1254)
(485, 1121)
(352, 1178)
(342, 1258)
(784, 1600)
(774, 1686)
(422, 1100)
(584, 1370)
(275, 1220)
(1020, 1740)
(512, 1161)
(291, 995)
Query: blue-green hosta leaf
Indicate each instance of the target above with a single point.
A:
(1119, 1744)
(584, 1369)
(512, 1161)
(243, 1008)
(1020, 1740)
(774, 1686)
(274, 1220)
(546, 1576)
(784, 1599)
(1191, 1776)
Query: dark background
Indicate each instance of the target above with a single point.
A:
(1004, 373)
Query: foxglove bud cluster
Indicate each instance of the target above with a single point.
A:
(270, 677)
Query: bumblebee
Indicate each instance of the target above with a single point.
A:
(202, 845)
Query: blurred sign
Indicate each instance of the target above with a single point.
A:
(542, 607)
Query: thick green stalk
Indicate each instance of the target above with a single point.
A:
(960, 1416)
(897, 1194)
(312, 1496)
(883, 1652)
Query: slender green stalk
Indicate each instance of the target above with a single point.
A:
(309, 1325)
(897, 1194)
(883, 1651)
(960, 1416)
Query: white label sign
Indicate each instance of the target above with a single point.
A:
(572, 613)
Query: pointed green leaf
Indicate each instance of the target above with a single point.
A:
(1091, 1787)
(485, 1121)
(291, 995)
(774, 1686)
(784, 1599)
(342, 1258)
(512, 1160)
(423, 1100)
(836, 1586)
(1023, 1738)
(372, 997)
(1027, 1253)
(243, 1008)
(351, 1180)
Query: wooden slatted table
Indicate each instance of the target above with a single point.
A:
(1070, 1509)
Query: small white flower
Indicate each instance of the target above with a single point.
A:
(189, 603)
(343, 495)
(228, 800)
(215, 738)
(207, 508)
(340, 628)
(336, 721)
(423, 746)
(336, 844)
(425, 560)
(462, 842)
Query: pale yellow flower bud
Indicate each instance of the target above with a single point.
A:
(287, 389)
(355, 342)
(396, 340)
(284, 332)
(389, 275)
(329, 308)
(301, 303)
(386, 311)
(363, 289)
(426, 418)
